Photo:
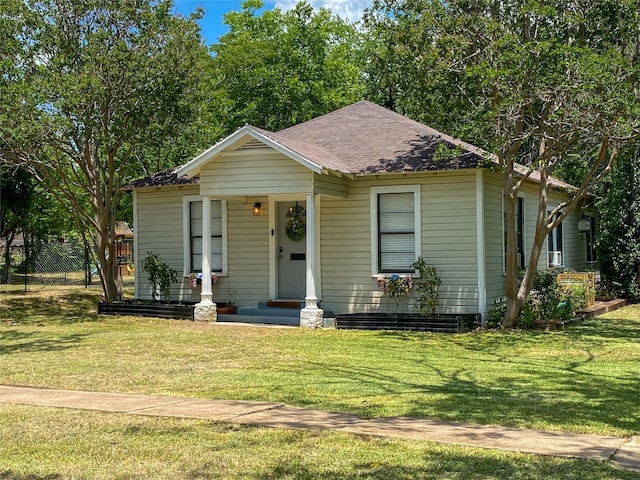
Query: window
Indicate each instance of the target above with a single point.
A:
(193, 235)
(395, 228)
(519, 233)
(554, 247)
(590, 238)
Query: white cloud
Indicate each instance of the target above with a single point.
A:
(346, 9)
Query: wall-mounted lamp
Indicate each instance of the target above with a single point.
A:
(256, 208)
(584, 224)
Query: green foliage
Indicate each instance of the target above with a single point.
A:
(618, 239)
(495, 316)
(161, 275)
(426, 287)
(547, 301)
(396, 287)
(275, 68)
(545, 297)
(100, 92)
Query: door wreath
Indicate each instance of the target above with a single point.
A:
(295, 228)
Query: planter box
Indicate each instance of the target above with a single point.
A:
(438, 323)
(149, 309)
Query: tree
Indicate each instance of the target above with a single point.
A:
(105, 83)
(277, 69)
(16, 193)
(618, 203)
(543, 84)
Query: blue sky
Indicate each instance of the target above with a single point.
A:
(212, 24)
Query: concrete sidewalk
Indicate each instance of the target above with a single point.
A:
(624, 452)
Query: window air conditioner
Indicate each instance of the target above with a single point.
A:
(555, 259)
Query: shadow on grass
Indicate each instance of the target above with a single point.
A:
(14, 341)
(435, 464)
(8, 475)
(29, 309)
(528, 379)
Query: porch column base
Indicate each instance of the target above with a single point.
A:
(311, 317)
(205, 312)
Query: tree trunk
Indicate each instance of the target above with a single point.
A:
(514, 305)
(7, 259)
(517, 293)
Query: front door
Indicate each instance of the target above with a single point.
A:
(292, 250)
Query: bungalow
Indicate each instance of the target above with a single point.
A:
(316, 212)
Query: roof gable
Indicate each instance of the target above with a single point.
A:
(310, 156)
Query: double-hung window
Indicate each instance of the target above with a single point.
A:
(194, 236)
(554, 247)
(395, 220)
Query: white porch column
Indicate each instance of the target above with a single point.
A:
(311, 316)
(206, 310)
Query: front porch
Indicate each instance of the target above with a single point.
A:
(270, 313)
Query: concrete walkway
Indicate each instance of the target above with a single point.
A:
(624, 452)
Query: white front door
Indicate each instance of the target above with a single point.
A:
(292, 249)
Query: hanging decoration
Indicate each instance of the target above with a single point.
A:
(295, 228)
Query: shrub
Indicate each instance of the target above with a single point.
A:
(426, 287)
(160, 275)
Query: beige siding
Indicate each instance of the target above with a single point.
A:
(330, 185)
(254, 172)
(494, 256)
(448, 242)
(574, 248)
(159, 230)
(248, 247)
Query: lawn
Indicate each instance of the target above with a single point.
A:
(584, 379)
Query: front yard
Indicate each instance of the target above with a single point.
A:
(584, 380)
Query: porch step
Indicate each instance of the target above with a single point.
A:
(266, 314)
(261, 319)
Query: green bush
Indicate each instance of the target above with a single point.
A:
(547, 301)
(426, 287)
(160, 275)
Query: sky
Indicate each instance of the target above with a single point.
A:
(213, 27)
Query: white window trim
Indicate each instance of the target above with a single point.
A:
(554, 232)
(524, 230)
(186, 234)
(415, 189)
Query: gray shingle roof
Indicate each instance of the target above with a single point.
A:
(367, 138)
(164, 178)
(360, 139)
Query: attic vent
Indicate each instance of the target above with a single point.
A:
(253, 145)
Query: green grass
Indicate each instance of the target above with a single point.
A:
(582, 380)
(47, 444)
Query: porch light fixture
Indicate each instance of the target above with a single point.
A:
(584, 224)
(256, 208)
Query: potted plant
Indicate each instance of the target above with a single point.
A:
(228, 308)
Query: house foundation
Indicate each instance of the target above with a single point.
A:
(205, 312)
(311, 317)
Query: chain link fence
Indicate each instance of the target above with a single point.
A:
(45, 263)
